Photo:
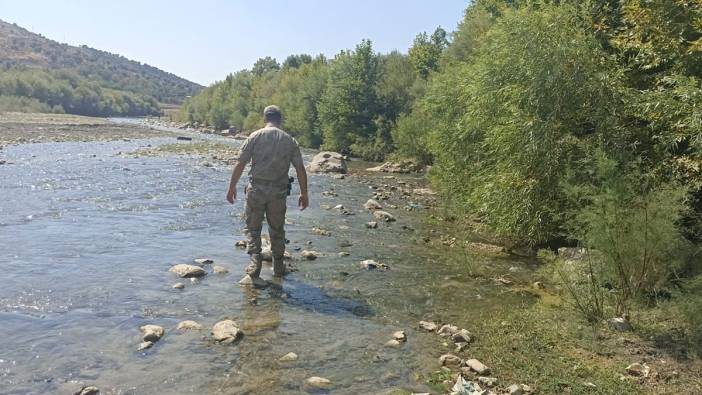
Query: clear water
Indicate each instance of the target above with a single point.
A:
(86, 240)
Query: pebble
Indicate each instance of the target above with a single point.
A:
(189, 325)
(309, 254)
(400, 336)
(88, 390)
(319, 383)
(289, 357)
(372, 225)
(393, 343)
(343, 254)
(447, 330)
(178, 285)
(370, 264)
(383, 216)
(203, 261)
(450, 360)
(372, 204)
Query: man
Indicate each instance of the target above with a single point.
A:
(271, 151)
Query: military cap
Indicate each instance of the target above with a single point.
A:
(272, 110)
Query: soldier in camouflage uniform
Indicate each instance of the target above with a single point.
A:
(271, 151)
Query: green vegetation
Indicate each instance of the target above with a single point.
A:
(38, 74)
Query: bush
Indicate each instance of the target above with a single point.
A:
(633, 226)
(691, 307)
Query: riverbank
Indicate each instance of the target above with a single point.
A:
(26, 128)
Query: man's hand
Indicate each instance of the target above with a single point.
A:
(303, 201)
(231, 195)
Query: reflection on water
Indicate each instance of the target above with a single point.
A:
(87, 238)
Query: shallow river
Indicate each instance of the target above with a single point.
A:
(86, 240)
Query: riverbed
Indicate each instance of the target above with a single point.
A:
(88, 233)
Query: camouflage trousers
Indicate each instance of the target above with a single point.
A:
(269, 200)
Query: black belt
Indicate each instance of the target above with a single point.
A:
(258, 181)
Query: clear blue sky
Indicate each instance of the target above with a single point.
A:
(205, 40)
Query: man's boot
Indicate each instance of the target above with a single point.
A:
(279, 267)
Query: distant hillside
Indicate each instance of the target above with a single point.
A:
(20, 47)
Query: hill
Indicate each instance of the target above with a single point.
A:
(22, 48)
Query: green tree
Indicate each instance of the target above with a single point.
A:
(425, 53)
(265, 65)
(348, 107)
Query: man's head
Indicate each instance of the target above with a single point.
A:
(272, 114)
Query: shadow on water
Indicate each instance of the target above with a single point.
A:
(313, 299)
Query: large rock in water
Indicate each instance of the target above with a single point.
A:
(186, 271)
(328, 162)
(226, 331)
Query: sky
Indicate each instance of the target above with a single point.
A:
(205, 40)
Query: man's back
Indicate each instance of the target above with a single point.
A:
(271, 151)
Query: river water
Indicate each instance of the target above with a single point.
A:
(86, 240)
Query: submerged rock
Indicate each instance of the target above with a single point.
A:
(428, 326)
(220, 270)
(328, 162)
(400, 336)
(393, 343)
(203, 261)
(257, 282)
(88, 390)
(372, 225)
(370, 264)
(383, 216)
(144, 345)
(289, 357)
(152, 333)
(372, 204)
(188, 325)
(186, 271)
(309, 255)
(226, 331)
(319, 383)
(178, 285)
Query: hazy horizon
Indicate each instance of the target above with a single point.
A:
(207, 41)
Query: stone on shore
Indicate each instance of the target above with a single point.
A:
(152, 333)
(383, 216)
(189, 325)
(396, 167)
(328, 162)
(447, 330)
(319, 383)
(487, 381)
(428, 326)
(619, 324)
(88, 390)
(450, 360)
(226, 331)
(638, 369)
(462, 336)
(394, 343)
(477, 366)
(203, 261)
(289, 357)
(372, 204)
(187, 271)
(344, 254)
(309, 255)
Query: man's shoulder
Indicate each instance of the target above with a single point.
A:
(273, 131)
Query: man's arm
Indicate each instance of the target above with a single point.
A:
(236, 175)
(304, 199)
